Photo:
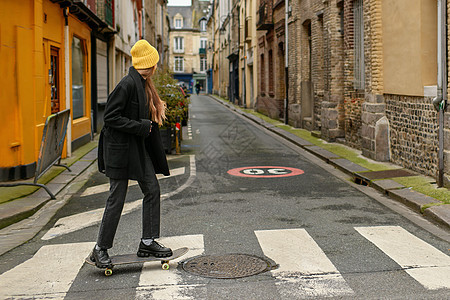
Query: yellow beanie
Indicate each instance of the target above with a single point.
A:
(144, 55)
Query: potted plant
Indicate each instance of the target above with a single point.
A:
(177, 105)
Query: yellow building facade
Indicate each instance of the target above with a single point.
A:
(44, 62)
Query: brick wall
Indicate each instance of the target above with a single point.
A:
(271, 94)
(353, 99)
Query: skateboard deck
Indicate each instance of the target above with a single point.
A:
(125, 259)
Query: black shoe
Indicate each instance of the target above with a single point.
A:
(100, 258)
(155, 249)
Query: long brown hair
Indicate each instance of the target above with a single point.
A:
(157, 107)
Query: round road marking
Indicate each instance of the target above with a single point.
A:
(265, 172)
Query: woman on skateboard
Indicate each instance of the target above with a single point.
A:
(130, 147)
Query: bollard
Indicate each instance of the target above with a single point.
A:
(177, 137)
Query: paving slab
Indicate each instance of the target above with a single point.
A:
(385, 185)
(91, 155)
(439, 213)
(77, 168)
(411, 198)
(63, 178)
(55, 188)
(292, 137)
(13, 211)
(347, 166)
(322, 153)
(386, 174)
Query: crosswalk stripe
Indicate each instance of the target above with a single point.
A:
(48, 274)
(105, 187)
(154, 284)
(426, 264)
(304, 269)
(82, 220)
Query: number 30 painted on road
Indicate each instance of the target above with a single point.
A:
(265, 172)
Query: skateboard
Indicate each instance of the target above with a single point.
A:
(133, 258)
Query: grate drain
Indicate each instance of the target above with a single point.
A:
(228, 266)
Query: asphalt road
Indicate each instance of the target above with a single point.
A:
(328, 238)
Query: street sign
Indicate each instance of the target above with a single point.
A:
(265, 172)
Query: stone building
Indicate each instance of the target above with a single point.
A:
(271, 58)
(248, 54)
(222, 39)
(364, 73)
(156, 29)
(188, 40)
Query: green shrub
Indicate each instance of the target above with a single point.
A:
(169, 92)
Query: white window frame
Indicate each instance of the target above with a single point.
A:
(203, 25)
(178, 44)
(203, 64)
(178, 64)
(203, 43)
(178, 23)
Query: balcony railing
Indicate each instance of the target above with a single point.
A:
(202, 51)
(265, 14)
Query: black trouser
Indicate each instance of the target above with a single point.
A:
(114, 206)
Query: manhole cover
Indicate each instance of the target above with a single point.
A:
(227, 266)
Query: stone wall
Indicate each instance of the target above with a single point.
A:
(413, 133)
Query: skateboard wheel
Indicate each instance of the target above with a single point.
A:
(108, 272)
(165, 266)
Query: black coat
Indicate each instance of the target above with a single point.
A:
(126, 141)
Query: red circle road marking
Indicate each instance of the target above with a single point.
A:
(238, 172)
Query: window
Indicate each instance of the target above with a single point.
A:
(178, 23)
(179, 64)
(178, 44)
(203, 43)
(202, 64)
(262, 73)
(203, 25)
(270, 71)
(358, 15)
(78, 71)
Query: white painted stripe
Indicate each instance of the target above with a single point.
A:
(155, 283)
(105, 187)
(82, 220)
(423, 262)
(48, 274)
(304, 269)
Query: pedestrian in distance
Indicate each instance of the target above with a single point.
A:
(198, 87)
(130, 147)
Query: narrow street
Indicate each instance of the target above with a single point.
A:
(238, 189)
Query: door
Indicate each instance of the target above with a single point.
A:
(54, 80)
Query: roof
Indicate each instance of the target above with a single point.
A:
(185, 11)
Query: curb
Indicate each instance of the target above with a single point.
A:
(439, 214)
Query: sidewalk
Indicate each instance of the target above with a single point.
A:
(22, 218)
(394, 181)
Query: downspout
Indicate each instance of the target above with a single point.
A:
(440, 102)
(286, 56)
(162, 35)
(67, 79)
(244, 86)
(143, 20)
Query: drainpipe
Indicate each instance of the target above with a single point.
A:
(286, 67)
(244, 86)
(440, 102)
(67, 78)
